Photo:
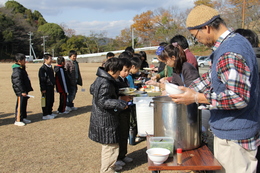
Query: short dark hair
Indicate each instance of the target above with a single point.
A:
(181, 40)
(113, 64)
(110, 54)
(250, 35)
(216, 23)
(143, 54)
(72, 52)
(19, 57)
(125, 54)
(125, 62)
(130, 49)
(47, 56)
(60, 60)
(136, 62)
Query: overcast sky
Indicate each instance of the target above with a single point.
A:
(97, 15)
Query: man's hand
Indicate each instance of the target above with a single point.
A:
(186, 98)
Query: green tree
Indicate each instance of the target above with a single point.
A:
(15, 6)
(77, 43)
(54, 35)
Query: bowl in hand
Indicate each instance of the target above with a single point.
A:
(158, 155)
(172, 89)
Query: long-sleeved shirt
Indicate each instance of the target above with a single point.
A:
(234, 72)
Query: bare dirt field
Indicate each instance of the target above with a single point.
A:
(58, 145)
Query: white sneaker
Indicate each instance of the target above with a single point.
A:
(120, 163)
(74, 108)
(47, 117)
(127, 159)
(17, 123)
(117, 168)
(26, 121)
(68, 109)
(54, 115)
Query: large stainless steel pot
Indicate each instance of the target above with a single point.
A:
(181, 122)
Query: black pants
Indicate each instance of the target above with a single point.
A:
(20, 109)
(124, 125)
(63, 101)
(49, 100)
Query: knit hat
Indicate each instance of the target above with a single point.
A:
(200, 16)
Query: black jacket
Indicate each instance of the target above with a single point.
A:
(46, 77)
(20, 80)
(106, 106)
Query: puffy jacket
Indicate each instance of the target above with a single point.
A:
(20, 80)
(46, 77)
(106, 106)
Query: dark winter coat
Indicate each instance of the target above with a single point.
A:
(70, 68)
(46, 77)
(106, 106)
(20, 80)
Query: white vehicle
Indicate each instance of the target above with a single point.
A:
(204, 62)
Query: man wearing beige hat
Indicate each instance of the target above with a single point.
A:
(230, 90)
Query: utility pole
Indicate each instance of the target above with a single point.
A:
(243, 13)
(133, 40)
(30, 43)
(43, 44)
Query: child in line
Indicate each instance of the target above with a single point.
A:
(108, 56)
(72, 68)
(104, 119)
(61, 80)
(124, 116)
(21, 86)
(136, 64)
(47, 82)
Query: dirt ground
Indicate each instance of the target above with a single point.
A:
(58, 145)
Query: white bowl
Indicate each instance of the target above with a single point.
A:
(158, 155)
(172, 89)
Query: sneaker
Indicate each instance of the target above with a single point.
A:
(54, 115)
(120, 163)
(68, 109)
(74, 108)
(17, 123)
(26, 121)
(65, 112)
(47, 117)
(117, 168)
(127, 159)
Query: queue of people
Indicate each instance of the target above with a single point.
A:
(65, 76)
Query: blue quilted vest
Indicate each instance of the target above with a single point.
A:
(239, 123)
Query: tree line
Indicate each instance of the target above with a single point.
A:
(149, 29)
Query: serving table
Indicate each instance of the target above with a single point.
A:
(194, 160)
